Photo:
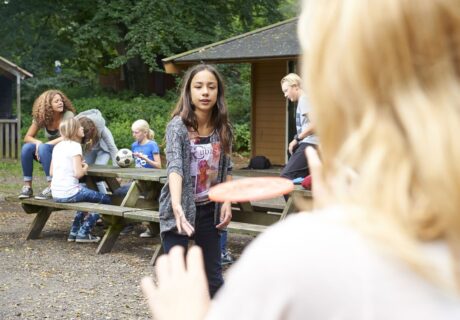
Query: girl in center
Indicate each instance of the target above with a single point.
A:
(198, 148)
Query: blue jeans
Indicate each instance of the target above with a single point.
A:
(207, 237)
(223, 241)
(45, 152)
(100, 157)
(80, 226)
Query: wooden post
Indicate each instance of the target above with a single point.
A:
(18, 116)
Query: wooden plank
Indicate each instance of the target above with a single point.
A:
(2, 140)
(158, 251)
(110, 236)
(78, 206)
(143, 215)
(7, 141)
(245, 228)
(254, 217)
(39, 223)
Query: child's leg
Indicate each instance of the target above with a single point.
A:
(76, 224)
(87, 225)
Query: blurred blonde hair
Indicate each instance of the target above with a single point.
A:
(42, 111)
(384, 81)
(69, 129)
(292, 80)
(144, 127)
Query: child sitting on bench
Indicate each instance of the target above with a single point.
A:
(67, 166)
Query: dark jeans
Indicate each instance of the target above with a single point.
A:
(297, 166)
(207, 237)
(79, 225)
(45, 152)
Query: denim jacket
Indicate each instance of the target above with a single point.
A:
(178, 158)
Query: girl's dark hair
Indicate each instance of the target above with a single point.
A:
(91, 134)
(219, 116)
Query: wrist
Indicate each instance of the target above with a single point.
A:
(297, 138)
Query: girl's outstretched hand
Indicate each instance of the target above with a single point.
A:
(225, 215)
(183, 226)
(181, 291)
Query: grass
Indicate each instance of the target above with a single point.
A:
(11, 177)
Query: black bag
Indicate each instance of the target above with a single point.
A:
(259, 162)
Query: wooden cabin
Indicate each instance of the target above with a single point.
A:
(10, 122)
(273, 52)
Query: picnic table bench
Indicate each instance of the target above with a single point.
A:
(141, 204)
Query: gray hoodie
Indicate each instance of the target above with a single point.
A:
(106, 141)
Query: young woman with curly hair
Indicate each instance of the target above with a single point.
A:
(49, 110)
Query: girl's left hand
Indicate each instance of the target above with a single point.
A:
(181, 291)
(225, 215)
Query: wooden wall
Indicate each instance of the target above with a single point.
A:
(269, 111)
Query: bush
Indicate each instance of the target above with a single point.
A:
(242, 142)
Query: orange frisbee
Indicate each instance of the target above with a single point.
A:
(250, 189)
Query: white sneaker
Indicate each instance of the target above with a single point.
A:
(146, 234)
(45, 194)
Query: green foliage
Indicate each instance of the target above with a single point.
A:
(121, 113)
(242, 142)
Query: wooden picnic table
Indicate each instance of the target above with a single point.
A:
(141, 204)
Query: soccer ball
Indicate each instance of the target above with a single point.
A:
(124, 158)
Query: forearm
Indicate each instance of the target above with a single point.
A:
(175, 188)
(308, 131)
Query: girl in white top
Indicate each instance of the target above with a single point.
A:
(67, 166)
(384, 82)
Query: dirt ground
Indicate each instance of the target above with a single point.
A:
(50, 278)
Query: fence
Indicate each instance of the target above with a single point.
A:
(9, 139)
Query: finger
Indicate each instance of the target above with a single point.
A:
(195, 262)
(222, 225)
(188, 228)
(163, 269)
(176, 259)
(149, 290)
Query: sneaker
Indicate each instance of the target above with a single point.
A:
(87, 238)
(45, 194)
(227, 258)
(26, 192)
(128, 229)
(71, 237)
(146, 234)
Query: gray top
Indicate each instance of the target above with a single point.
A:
(178, 158)
(106, 141)
(302, 119)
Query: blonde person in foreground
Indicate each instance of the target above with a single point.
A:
(384, 81)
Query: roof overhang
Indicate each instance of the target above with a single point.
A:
(274, 42)
(9, 67)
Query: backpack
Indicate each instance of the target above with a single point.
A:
(259, 162)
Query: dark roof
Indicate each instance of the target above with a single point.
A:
(14, 69)
(275, 41)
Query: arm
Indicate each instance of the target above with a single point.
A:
(79, 167)
(225, 211)
(55, 141)
(107, 137)
(30, 137)
(175, 188)
(310, 129)
(156, 162)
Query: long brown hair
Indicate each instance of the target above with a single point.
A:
(42, 111)
(91, 133)
(219, 116)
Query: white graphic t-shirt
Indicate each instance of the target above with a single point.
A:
(204, 166)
